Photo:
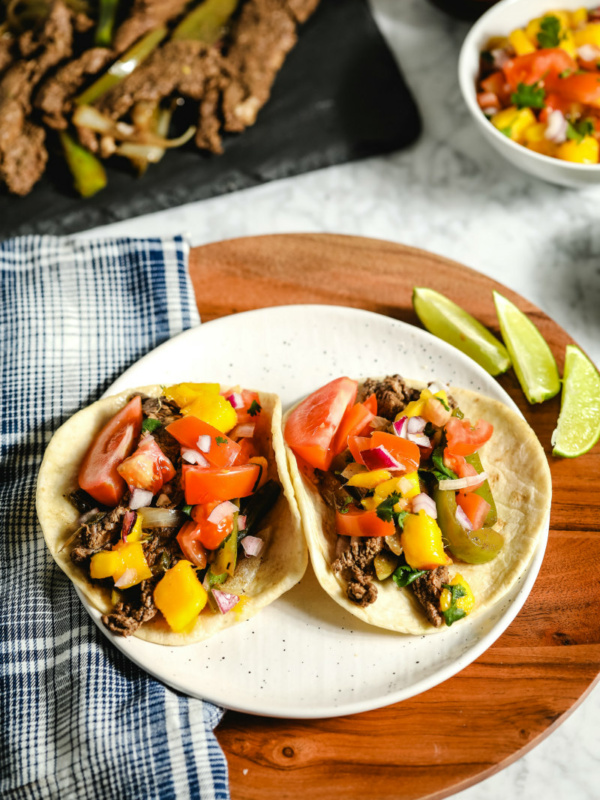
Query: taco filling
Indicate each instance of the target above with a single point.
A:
(395, 498)
(174, 501)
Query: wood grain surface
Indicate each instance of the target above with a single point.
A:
(544, 664)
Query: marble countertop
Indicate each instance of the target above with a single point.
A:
(452, 194)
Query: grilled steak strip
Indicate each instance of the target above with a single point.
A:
(427, 590)
(145, 16)
(356, 565)
(392, 393)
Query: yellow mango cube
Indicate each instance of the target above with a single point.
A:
(521, 42)
(421, 540)
(583, 152)
(536, 133)
(180, 596)
(185, 393)
(590, 34)
(578, 17)
(513, 122)
(135, 534)
(369, 480)
(214, 409)
(465, 603)
(105, 564)
(409, 485)
(134, 559)
(567, 43)
(533, 28)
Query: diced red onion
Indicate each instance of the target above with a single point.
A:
(588, 52)
(194, 457)
(223, 510)
(379, 458)
(253, 546)
(241, 522)
(140, 498)
(203, 443)
(416, 425)
(236, 400)
(423, 501)
(463, 520)
(463, 483)
(500, 56)
(556, 130)
(400, 427)
(126, 578)
(419, 439)
(128, 523)
(224, 600)
(245, 431)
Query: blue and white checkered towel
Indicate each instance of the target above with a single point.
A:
(77, 719)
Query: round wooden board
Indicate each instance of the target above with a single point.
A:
(545, 663)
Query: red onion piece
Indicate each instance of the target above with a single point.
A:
(588, 52)
(463, 483)
(140, 498)
(128, 523)
(463, 520)
(194, 457)
(203, 443)
(245, 431)
(423, 501)
(223, 510)
(416, 425)
(400, 427)
(556, 130)
(236, 400)
(253, 546)
(420, 439)
(126, 578)
(224, 600)
(379, 458)
(241, 522)
(500, 56)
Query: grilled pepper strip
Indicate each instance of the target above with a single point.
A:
(206, 22)
(107, 13)
(226, 558)
(89, 176)
(484, 491)
(473, 547)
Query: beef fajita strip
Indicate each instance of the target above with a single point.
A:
(145, 16)
(427, 590)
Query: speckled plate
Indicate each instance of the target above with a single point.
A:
(303, 656)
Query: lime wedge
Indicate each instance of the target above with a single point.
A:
(532, 358)
(578, 427)
(451, 323)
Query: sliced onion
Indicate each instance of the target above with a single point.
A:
(419, 439)
(128, 523)
(241, 522)
(463, 520)
(224, 600)
(416, 425)
(90, 117)
(161, 517)
(400, 427)
(353, 468)
(140, 498)
(245, 431)
(221, 511)
(463, 483)
(236, 400)
(253, 546)
(379, 458)
(203, 443)
(556, 130)
(588, 52)
(194, 457)
(423, 501)
(126, 578)
(437, 386)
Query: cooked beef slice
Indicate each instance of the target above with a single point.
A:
(7, 45)
(392, 394)
(427, 590)
(55, 95)
(356, 565)
(104, 530)
(301, 9)
(165, 411)
(24, 162)
(136, 608)
(209, 124)
(145, 16)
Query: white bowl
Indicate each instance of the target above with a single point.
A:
(500, 20)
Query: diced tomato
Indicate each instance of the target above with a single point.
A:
(488, 100)
(311, 426)
(463, 438)
(205, 484)
(459, 465)
(98, 474)
(554, 102)
(538, 66)
(475, 507)
(222, 451)
(353, 423)
(148, 468)
(496, 84)
(581, 87)
(404, 451)
(188, 539)
(243, 414)
(371, 404)
(362, 523)
(356, 445)
(248, 450)
(210, 534)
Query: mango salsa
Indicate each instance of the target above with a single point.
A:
(464, 603)
(422, 542)
(180, 596)
(123, 557)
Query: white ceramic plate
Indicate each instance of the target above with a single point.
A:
(303, 656)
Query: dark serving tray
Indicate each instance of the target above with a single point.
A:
(339, 96)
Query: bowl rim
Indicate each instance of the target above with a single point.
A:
(467, 88)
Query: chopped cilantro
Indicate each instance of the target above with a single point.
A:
(344, 507)
(221, 440)
(565, 73)
(549, 33)
(150, 425)
(441, 471)
(507, 131)
(456, 412)
(215, 579)
(577, 130)
(453, 613)
(254, 409)
(385, 511)
(444, 403)
(405, 575)
(187, 510)
(528, 96)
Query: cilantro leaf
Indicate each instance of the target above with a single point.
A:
(254, 409)
(220, 440)
(440, 470)
(528, 96)
(150, 425)
(577, 130)
(343, 509)
(453, 613)
(385, 511)
(405, 575)
(187, 510)
(549, 33)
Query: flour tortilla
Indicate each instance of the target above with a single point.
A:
(519, 477)
(282, 564)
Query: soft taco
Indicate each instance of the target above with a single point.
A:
(420, 505)
(172, 509)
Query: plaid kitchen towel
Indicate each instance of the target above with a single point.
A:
(77, 719)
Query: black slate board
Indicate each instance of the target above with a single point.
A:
(338, 97)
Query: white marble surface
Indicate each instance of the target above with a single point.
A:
(452, 194)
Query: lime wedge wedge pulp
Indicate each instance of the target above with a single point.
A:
(578, 427)
(451, 323)
(532, 358)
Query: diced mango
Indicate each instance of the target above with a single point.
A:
(497, 43)
(579, 17)
(532, 29)
(513, 122)
(135, 534)
(544, 148)
(465, 603)
(567, 43)
(213, 409)
(369, 480)
(185, 393)
(584, 152)
(411, 478)
(240, 606)
(590, 34)
(521, 42)
(105, 564)
(180, 596)
(422, 542)
(114, 563)
(415, 407)
(536, 133)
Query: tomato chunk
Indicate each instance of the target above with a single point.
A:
(475, 507)
(537, 66)
(205, 484)
(357, 444)
(465, 439)
(222, 451)
(362, 523)
(210, 534)
(192, 548)
(98, 474)
(462, 468)
(311, 427)
(371, 404)
(403, 450)
(582, 87)
(354, 421)
(148, 468)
